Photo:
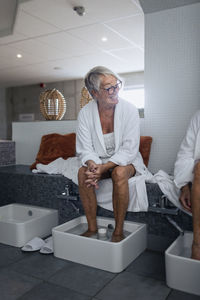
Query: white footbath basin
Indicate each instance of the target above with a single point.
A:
(20, 223)
(182, 272)
(105, 255)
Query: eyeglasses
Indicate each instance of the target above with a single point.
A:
(112, 89)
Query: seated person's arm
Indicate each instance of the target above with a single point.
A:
(184, 165)
(185, 197)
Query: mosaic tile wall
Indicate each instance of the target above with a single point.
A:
(7, 152)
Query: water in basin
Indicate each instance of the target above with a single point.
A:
(81, 228)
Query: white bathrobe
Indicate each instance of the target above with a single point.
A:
(188, 154)
(90, 146)
(90, 141)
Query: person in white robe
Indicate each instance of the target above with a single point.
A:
(107, 145)
(187, 178)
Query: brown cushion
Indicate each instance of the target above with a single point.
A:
(145, 148)
(55, 145)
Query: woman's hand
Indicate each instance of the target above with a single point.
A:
(94, 173)
(185, 197)
(91, 166)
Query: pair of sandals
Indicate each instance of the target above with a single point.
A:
(38, 244)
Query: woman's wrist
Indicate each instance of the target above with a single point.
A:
(185, 187)
(109, 165)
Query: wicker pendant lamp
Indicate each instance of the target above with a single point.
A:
(52, 104)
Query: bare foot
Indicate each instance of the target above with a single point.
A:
(89, 233)
(116, 238)
(196, 251)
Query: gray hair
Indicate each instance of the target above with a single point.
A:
(92, 78)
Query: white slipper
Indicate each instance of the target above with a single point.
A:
(47, 248)
(33, 245)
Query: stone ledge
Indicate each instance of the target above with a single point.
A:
(7, 152)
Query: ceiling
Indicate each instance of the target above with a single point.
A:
(58, 44)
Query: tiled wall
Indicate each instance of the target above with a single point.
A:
(172, 80)
(7, 152)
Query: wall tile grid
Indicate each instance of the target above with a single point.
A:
(172, 74)
(7, 152)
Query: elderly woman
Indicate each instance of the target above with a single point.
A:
(108, 145)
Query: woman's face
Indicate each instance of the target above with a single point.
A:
(108, 90)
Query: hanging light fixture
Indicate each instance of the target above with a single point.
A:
(52, 104)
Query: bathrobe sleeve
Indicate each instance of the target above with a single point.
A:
(84, 145)
(129, 127)
(184, 165)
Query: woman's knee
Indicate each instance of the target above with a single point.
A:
(81, 176)
(119, 174)
(197, 171)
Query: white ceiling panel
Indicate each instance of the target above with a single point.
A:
(60, 13)
(32, 26)
(39, 49)
(132, 57)
(13, 62)
(10, 53)
(70, 45)
(12, 38)
(105, 10)
(132, 28)
(94, 33)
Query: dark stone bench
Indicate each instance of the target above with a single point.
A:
(18, 184)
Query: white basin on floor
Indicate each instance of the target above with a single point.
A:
(20, 223)
(182, 272)
(102, 254)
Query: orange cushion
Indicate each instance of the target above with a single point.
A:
(145, 148)
(55, 145)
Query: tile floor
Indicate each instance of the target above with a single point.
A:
(33, 276)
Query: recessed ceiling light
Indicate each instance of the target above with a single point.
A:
(19, 55)
(104, 39)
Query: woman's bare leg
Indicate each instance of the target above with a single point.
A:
(120, 176)
(88, 198)
(196, 213)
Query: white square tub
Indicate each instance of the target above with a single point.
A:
(20, 223)
(182, 272)
(105, 255)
